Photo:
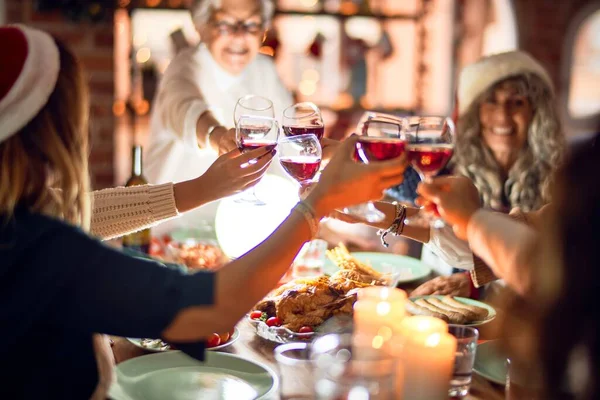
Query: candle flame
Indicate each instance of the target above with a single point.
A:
(383, 308)
(433, 340)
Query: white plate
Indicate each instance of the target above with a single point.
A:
(175, 376)
(232, 339)
(403, 269)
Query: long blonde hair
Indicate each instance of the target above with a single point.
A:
(528, 183)
(44, 166)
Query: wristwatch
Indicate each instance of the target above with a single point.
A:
(209, 132)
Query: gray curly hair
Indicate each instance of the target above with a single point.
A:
(202, 11)
(529, 179)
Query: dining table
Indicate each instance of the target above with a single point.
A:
(253, 347)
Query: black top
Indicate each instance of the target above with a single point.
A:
(58, 286)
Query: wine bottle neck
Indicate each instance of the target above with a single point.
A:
(136, 161)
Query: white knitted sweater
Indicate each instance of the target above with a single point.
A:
(122, 210)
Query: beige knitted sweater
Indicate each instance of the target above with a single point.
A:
(122, 210)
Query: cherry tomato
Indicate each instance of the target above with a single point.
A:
(213, 341)
(224, 337)
(273, 321)
(255, 314)
(305, 329)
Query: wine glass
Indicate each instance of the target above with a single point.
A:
(251, 133)
(253, 105)
(430, 144)
(303, 118)
(381, 138)
(300, 156)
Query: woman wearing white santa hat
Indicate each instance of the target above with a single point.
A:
(59, 285)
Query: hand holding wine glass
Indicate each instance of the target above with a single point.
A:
(300, 156)
(381, 139)
(253, 132)
(430, 144)
(302, 119)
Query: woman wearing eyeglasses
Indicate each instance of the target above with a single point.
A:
(192, 116)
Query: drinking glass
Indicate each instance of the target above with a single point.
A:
(300, 156)
(295, 371)
(254, 106)
(253, 132)
(381, 138)
(466, 348)
(303, 118)
(430, 144)
(522, 383)
(345, 368)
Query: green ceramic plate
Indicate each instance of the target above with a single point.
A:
(490, 362)
(471, 302)
(232, 339)
(175, 376)
(403, 269)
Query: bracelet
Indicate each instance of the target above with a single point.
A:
(397, 225)
(309, 214)
(209, 132)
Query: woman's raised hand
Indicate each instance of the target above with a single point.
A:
(344, 182)
(456, 199)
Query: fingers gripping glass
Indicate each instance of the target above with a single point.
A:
(300, 156)
(430, 144)
(253, 132)
(381, 138)
(302, 119)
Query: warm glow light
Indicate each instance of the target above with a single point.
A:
(385, 332)
(381, 293)
(152, 3)
(309, 3)
(234, 221)
(307, 88)
(267, 50)
(377, 342)
(142, 107)
(139, 39)
(143, 55)
(383, 308)
(433, 340)
(174, 3)
(311, 75)
(348, 8)
(119, 108)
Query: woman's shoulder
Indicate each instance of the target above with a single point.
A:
(31, 226)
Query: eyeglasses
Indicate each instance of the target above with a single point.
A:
(226, 28)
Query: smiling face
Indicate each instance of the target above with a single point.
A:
(234, 34)
(505, 116)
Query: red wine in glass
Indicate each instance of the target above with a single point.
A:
(377, 149)
(429, 159)
(251, 144)
(301, 168)
(316, 130)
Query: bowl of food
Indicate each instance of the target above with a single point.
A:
(196, 254)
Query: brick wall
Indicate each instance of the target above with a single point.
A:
(93, 44)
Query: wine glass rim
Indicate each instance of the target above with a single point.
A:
(260, 117)
(311, 110)
(269, 103)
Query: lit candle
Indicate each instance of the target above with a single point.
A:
(427, 358)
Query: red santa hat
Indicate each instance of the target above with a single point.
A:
(28, 74)
(478, 77)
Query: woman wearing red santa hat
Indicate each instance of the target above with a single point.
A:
(59, 285)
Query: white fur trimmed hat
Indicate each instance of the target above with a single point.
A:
(478, 77)
(28, 75)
